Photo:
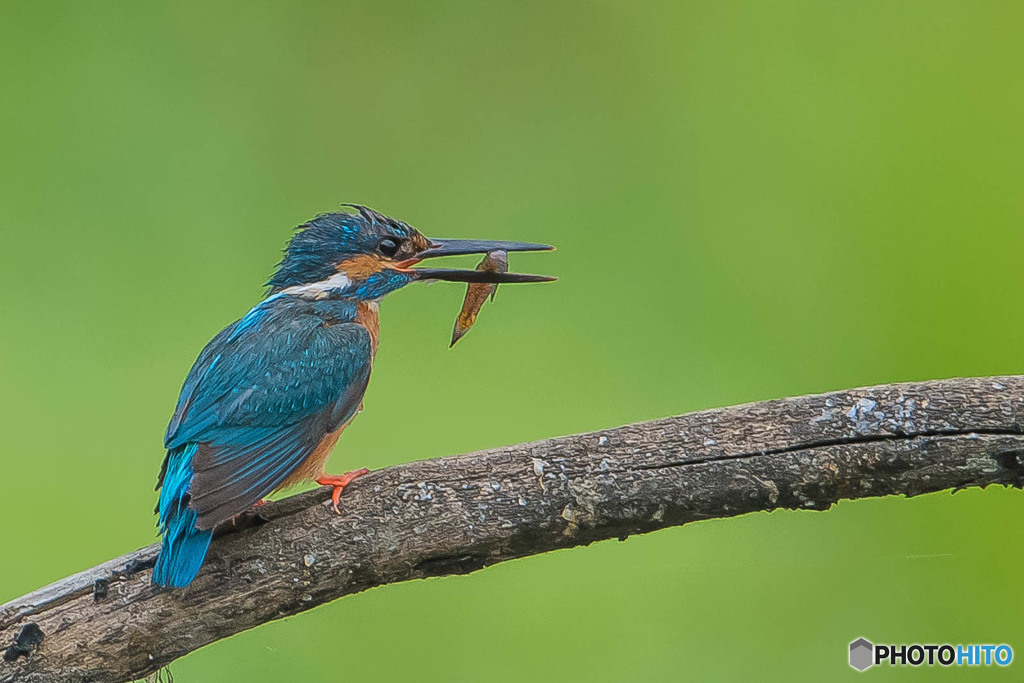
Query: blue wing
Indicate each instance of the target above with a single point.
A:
(260, 399)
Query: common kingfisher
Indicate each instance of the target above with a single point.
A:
(268, 397)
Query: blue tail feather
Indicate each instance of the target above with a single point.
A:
(184, 546)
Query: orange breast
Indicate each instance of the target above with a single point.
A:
(368, 317)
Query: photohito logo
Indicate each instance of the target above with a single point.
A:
(864, 654)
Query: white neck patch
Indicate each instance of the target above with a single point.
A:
(320, 290)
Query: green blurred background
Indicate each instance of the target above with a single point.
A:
(750, 200)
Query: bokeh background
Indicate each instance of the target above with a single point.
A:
(750, 200)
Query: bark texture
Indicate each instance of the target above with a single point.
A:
(457, 514)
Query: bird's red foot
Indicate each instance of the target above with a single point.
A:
(339, 482)
(259, 503)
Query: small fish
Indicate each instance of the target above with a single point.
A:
(477, 293)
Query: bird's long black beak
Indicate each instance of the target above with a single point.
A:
(463, 247)
(456, 275)
(439, 247)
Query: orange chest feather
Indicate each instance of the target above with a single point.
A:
(368, 317)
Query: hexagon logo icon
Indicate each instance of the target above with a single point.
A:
(861, 654)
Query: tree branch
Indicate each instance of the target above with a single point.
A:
(458, 514)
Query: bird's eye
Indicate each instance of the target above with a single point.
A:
(388, 247)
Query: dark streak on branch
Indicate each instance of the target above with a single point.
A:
(458, 514)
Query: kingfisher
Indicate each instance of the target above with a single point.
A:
(268, 397)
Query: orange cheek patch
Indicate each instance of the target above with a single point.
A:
(361, 267)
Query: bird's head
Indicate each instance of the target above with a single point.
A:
(366, 255)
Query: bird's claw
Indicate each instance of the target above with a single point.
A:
(259, 503)
(339, 482)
